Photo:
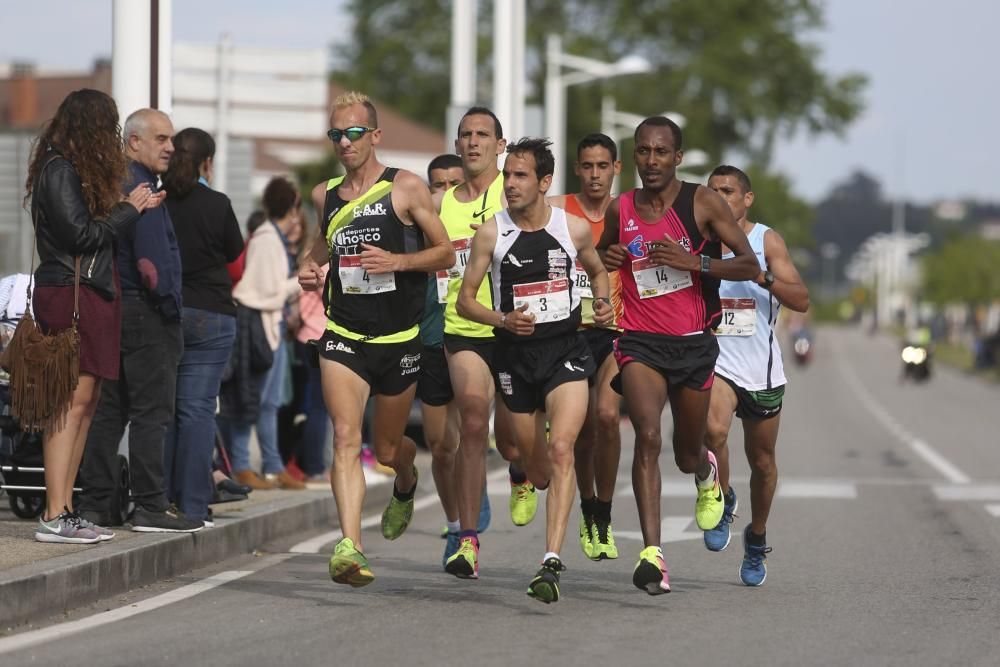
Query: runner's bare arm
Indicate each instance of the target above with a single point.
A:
(319, 251)
(579, 230)
(412, 200)
(788, 287)
(480, 257)
(719, 223)
(608, 248)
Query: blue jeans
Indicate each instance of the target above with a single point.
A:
(237, 434)
(190, 444)
(316, 436)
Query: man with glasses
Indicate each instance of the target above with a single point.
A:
(381, 236)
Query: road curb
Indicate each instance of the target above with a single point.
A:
(42, 589)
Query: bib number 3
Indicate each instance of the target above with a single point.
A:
(547, 300)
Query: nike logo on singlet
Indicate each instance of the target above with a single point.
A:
(480, 214)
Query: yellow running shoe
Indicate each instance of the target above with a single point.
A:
(398, 513)
(709, 507)
(603, 540)
(349, 566)
(650, 573)
(586, 543)
(523, 503)
(465, 563)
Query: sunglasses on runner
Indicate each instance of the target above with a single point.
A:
(352, 133)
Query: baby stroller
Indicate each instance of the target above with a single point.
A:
(22, 471)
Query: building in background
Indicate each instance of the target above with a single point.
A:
(274, 109)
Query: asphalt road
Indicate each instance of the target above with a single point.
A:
(885, 533)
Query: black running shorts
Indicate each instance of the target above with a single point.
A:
(481, 346)
(434, 383)
(601, 342)
(684, 361)
(525, 372)
(388, 368)
(762, 404)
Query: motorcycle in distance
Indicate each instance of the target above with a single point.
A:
(802, 346)
(916, 356)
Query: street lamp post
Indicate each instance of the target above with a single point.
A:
(581, 70)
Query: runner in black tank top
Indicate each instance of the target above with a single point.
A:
(541, 362)
(371, 231)
(365, 304)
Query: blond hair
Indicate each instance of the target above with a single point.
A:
(353, 97)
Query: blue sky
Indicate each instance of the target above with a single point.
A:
(929, 132)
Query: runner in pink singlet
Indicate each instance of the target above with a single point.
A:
(664, 241)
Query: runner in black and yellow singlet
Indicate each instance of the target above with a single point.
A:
(469, 345)
(373, 229)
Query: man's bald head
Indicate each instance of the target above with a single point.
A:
(148, 139)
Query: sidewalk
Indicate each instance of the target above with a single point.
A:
(39, 580)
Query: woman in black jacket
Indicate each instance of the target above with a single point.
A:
(74, 183)
(209, 238)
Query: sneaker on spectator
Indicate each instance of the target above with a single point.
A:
(167, 521)
(101, 531)
(65, 529)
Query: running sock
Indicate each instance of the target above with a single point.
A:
(708, 482)
(454, 526)
(587, 506)
(601, 509)
(404, 495)
(517, 476)
(469, 533)
(550, 554)
(756, 540)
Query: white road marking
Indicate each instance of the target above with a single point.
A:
(672, 529)
(994, 510)
(787, 488)
(55, 632)
(931, 456)
(315, 544)
(984, 492)
(817, 489)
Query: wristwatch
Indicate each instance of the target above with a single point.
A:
(705, 260)
(768, 279)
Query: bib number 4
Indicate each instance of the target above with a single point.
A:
(355, 280)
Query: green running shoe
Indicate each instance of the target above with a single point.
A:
(586, 538)
(465, 563)
(349, 566)
(603, 541)
(523, 503)
(396, 517)
(545, 586)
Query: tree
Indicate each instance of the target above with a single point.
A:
(776, 206)
(737, 69)
(963, 270)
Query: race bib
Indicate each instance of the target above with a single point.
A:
(355, 280)
(443, 278)
(547, 300)
(462, 247)
(653, 281)
(739, 317)
(583, 282)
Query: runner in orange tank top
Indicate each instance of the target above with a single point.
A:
(598, 447)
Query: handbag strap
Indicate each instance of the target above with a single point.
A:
(34, 246)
